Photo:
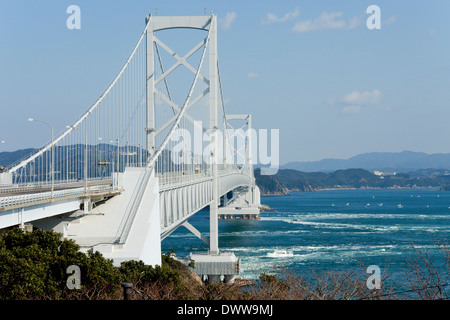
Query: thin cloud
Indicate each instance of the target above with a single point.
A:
(228, 20)
(326, 20)
(362, 98)
(388, 21)
(354, 22)
(273, 18)
(354, 101)
(252, 75)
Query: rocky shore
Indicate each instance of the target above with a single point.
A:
(264, 207)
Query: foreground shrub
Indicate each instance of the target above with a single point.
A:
(33, 266)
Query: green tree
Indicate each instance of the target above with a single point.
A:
(33, 266)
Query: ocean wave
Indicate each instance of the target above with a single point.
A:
(360, 215)
(365, 227)
(259, 233)
(327, 252)
(301, 251)
(256, 263)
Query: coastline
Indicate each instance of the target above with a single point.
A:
(341, 188)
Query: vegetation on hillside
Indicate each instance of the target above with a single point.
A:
(33, 266)
(287, 180)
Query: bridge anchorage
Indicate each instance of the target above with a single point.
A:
(144, 158)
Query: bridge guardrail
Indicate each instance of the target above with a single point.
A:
(19, 200)
(168, 179)
(39, 186)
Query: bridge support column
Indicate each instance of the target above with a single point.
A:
(197, 233)
(150, 89)
(87, 205)
(213, 116)
(213, 278)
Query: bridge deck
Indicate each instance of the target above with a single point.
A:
(32, 199)
(7, 191)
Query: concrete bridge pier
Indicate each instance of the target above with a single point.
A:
(245, 205)
(216, 266)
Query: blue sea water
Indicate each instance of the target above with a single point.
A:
(331, 230)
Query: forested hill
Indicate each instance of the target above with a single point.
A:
(287, 180)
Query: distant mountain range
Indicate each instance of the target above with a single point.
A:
(7, 158)
(416, 164)
(383, 161)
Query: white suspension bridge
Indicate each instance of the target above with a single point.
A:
(125, 175)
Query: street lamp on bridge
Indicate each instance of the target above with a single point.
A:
(52, 155)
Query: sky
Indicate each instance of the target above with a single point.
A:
(312, 69)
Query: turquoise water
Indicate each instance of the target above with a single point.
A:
(330, 230)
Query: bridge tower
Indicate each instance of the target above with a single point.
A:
(213, 264)
(118, 189)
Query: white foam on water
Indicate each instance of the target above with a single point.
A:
(341, 216)
(302, 220)
(253, 265)
(260, 233)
